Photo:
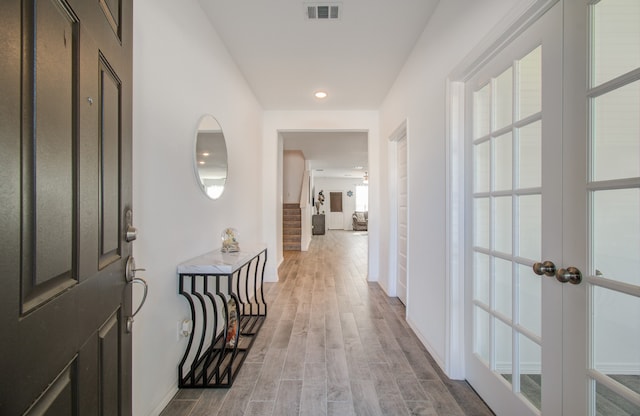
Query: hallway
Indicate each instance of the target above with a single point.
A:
(333, 344)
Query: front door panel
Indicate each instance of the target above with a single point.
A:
(65, 127)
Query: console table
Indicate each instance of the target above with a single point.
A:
(224, 292)
(317, 222)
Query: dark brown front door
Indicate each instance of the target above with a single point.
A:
(65, 131)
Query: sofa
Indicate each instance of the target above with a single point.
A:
(360, 220)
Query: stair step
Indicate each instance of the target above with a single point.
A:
(291, 227)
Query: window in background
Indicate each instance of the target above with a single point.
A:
(362, 198)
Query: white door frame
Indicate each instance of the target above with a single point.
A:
(517, 20)
(392, 160)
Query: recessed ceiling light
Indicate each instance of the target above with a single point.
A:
(201, 162)
(321, 94)
(205, 154)
(358, 167)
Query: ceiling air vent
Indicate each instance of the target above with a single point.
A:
(323, 11)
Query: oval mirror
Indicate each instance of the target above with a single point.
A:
(211, 157)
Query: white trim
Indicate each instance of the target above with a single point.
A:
(165, 401)
(432, 351)
(392, 158)
(399, 132)
(455, 232)
(510, 27)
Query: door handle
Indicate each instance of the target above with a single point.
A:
(142, 282)
(569, 275)
(546, 268)
(131, 279)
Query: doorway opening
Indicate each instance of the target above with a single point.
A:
(323, 176)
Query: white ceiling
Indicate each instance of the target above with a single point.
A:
(286, 57)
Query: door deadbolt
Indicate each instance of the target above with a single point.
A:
(130, 232)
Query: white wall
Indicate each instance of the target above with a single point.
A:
(292, 174)
(181, 71)
(419, 96)
(275, 121)
(348, 203)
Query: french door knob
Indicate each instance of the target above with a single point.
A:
(570, 274)
(546, 268)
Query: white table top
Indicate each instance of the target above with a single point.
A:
(216, 262)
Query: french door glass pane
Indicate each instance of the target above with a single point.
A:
(503, 363)
(503, 286)
(530, 296)
(481, 345)
(503, 96)
(616, 133)
(530, 226)
(616, 331)
(481, 220)
(481, 156)
(481, 112)
(530, 83)
(502, 223)
(531, 370)
(615, 34)
(530, 156)
(482, 281)
(616, 235)
(503, 162)
(610, 403)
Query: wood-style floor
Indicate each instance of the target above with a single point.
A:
(333, 344)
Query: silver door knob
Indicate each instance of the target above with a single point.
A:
(546, 268)
(570, 275)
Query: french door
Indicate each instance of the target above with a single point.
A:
(515, 108)
(601, 216)
(553, 318)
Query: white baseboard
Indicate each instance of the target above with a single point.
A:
(428, 346)
(165, 401)
(383, 287)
